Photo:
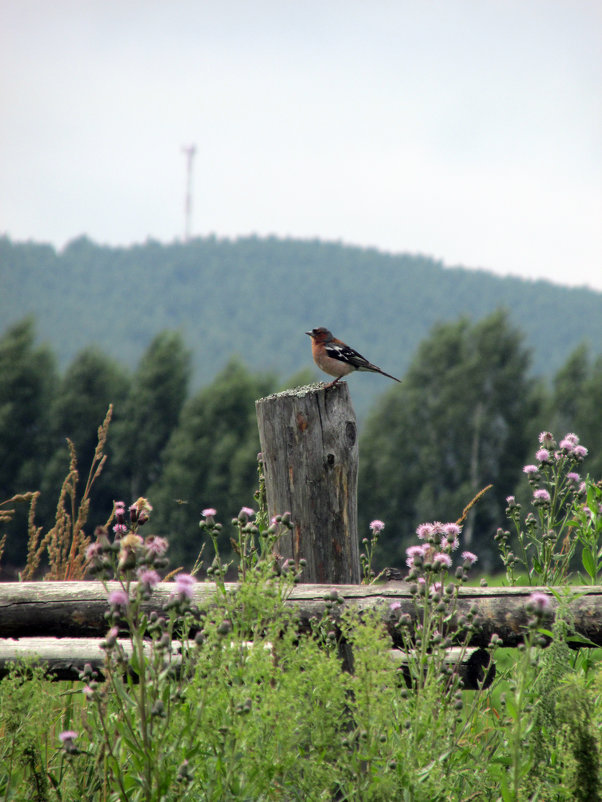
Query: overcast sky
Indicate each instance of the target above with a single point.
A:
(469, 130)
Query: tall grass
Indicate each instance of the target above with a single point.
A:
(231, 701)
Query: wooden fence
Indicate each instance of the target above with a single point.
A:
(309, 445)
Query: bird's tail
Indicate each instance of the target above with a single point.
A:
(376, 369)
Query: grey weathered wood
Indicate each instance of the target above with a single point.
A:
(310, 455)
(76, 609)
(65, 658)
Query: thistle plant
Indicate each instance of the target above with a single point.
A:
(545, 543)
(147, 670)
(435, 626)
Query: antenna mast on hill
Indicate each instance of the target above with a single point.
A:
(189, 151)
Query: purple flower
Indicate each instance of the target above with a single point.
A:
(185, 586)
(94, 551)
(118, 598)
(541, 496)
(543, 455)
(450, 545)
(395, 605)
(209, 512)
(442, 559)
(530, 470)
(425, 531)
(376, 526)
(156, 545)
(149, 577)
(67, 735)
(510, 501)
(415, 551)
(540, 601)
(452, 530)
(546, 439)
(120, 529)
(469, 558)
(580, 452)
(247, 511)
(573, 477)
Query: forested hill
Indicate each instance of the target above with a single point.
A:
(255, 298)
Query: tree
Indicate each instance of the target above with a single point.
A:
(91, 382)
(459, 421)
(576, 404)
(151, 411)
(210, 460)
(27, 379)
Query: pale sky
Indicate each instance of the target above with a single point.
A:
(466, 130)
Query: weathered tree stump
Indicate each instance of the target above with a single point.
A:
(310, 456)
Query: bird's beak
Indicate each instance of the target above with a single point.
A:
(308, 332)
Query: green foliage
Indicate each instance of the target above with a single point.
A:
(27, 380)
(459, 422)
(92, 382)
(383, 304)
(227, 699)
(211, 457)
(151, 412)
(576, 402)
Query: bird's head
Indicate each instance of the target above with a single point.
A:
(320, 335)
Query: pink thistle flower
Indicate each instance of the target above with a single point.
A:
(425, 531)
(209, 512)
(67, 735)
(540, 601)
(185, 586)
(510, 501)
(573, 477)
(469, 558)
(442, 559)
(546, 439)
(377, 526)
(149, 577)
(580, 452)
(452, 530)
(395, 605)
(120, 529)
(541, 496)
(94, 551)
(245, 511)
(156, 545)
(118, 598)
(415, 551)
(450, 545)
(543, 455)
(530, 470)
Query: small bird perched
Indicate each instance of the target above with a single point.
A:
(336, 358)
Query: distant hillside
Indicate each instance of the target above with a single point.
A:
(255, 297)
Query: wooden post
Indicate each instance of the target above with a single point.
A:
(310, 455)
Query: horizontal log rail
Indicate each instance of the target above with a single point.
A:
(76, 609)
(65, 658)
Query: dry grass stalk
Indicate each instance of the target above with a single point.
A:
(66, 542)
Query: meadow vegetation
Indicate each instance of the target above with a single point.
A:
(229, 701)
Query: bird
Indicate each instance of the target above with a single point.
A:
(337, 358)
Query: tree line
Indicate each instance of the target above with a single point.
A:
(466, 415)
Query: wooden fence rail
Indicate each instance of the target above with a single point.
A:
(76, 609)
(62, 623)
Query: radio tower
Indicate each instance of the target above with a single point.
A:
(189, 151)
